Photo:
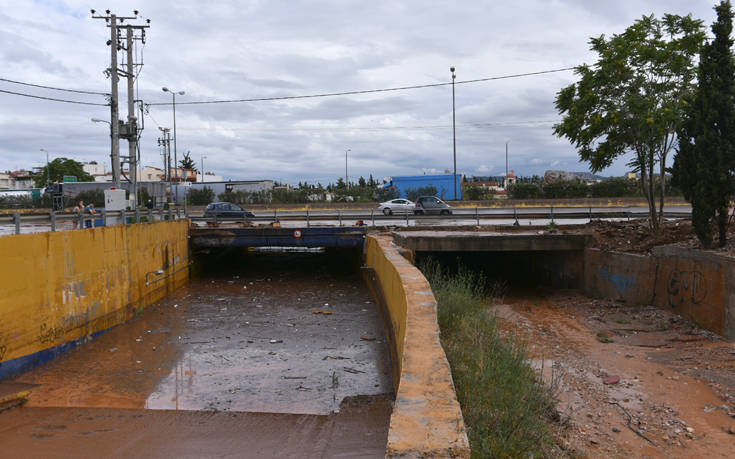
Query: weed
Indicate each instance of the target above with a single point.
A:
(603, 337)
(508, 409)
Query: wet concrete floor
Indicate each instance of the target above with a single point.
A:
(270, 355)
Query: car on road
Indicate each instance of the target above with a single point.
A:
(226, 210)
(396, 206)
(432, 205)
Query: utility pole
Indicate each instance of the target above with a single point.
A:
(454, 134)
(131, 130)
(346, 178)
(203, 158)
(506, 164)
(165, 142)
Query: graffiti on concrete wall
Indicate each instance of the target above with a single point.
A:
(686, 286)
(621, 283)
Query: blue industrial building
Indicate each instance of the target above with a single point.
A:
(443, 184)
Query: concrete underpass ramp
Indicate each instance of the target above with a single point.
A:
(466, 241)
(270, 356)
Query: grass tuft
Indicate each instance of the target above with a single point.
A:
(508, 409)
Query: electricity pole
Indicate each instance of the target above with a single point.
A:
(346, 179)
(506, 164)
(454, 134)
(114, 72)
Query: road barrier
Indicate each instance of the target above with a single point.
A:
(53, 220)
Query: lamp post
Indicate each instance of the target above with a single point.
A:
(454, 134)
(112, 139)
(48, 170)
(506, 164)
(346, 178)
(173, 94)
(203, 158)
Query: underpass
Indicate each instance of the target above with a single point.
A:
(290, 346)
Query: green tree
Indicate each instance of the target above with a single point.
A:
(58, 168)
(186, 162)
(705, 161)
(201, 197)
(631, 99)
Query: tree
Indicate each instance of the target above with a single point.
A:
(186, 162)
(631, 99)
(705, 161)
(58, 168)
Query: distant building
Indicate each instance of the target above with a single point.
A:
(511, 179)
(250, 186)
(151, 174)
(209, 177)
(443, 184)
(94, 169)
(6, 181)
(22, 180)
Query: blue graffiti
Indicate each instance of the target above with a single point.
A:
(620, 283)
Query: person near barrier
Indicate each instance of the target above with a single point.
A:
(149, 205)
(78, 211)
(90, 210)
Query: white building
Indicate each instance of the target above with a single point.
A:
(6, 182)
(209, 177)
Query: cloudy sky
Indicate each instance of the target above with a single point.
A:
(251, 49)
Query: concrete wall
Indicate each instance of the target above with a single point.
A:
(427, 420)
(695, 284)
(59, 289)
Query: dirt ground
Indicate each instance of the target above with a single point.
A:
(632, 380)
(635, 236)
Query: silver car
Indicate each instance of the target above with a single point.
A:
(397, 206)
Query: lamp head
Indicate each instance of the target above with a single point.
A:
(451, 69)
(165, 89)
(181, 93)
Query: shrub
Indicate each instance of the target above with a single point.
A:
(524, 191)
(200, 197)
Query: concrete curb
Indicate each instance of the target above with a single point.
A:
(427, 420)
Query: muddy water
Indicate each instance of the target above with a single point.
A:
(291, 345)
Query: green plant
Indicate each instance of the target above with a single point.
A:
(705, 162)
(524, 191)
(200, 197)
(508, 409)
(631, 99)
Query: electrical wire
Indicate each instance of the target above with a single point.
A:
(53, 98)
(365, 91)
(55, 89)
(378, 128)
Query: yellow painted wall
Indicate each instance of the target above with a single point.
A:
(63, 286)
(426, 420)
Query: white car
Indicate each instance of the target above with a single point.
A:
(397, 206)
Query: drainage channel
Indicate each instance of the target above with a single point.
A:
(267, 355)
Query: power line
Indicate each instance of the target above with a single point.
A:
(53, 98)
(55, 89)
(379, 128)
(366, 91)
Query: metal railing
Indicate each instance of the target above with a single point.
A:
(477, 214)
(60, 220)
(57, 220)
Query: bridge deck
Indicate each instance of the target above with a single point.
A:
(352, 236)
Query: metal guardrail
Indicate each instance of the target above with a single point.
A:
(104, 217)
(100, 218)
(478, 214)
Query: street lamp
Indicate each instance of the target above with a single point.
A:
(454, 134)
(112, 141)
(173, 93)
(346, 179)
(48, 169)
(203, 158)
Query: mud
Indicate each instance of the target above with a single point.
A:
(676, 383)
(290, 345)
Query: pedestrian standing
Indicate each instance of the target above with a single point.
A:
(78, 211)
(90, 210)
